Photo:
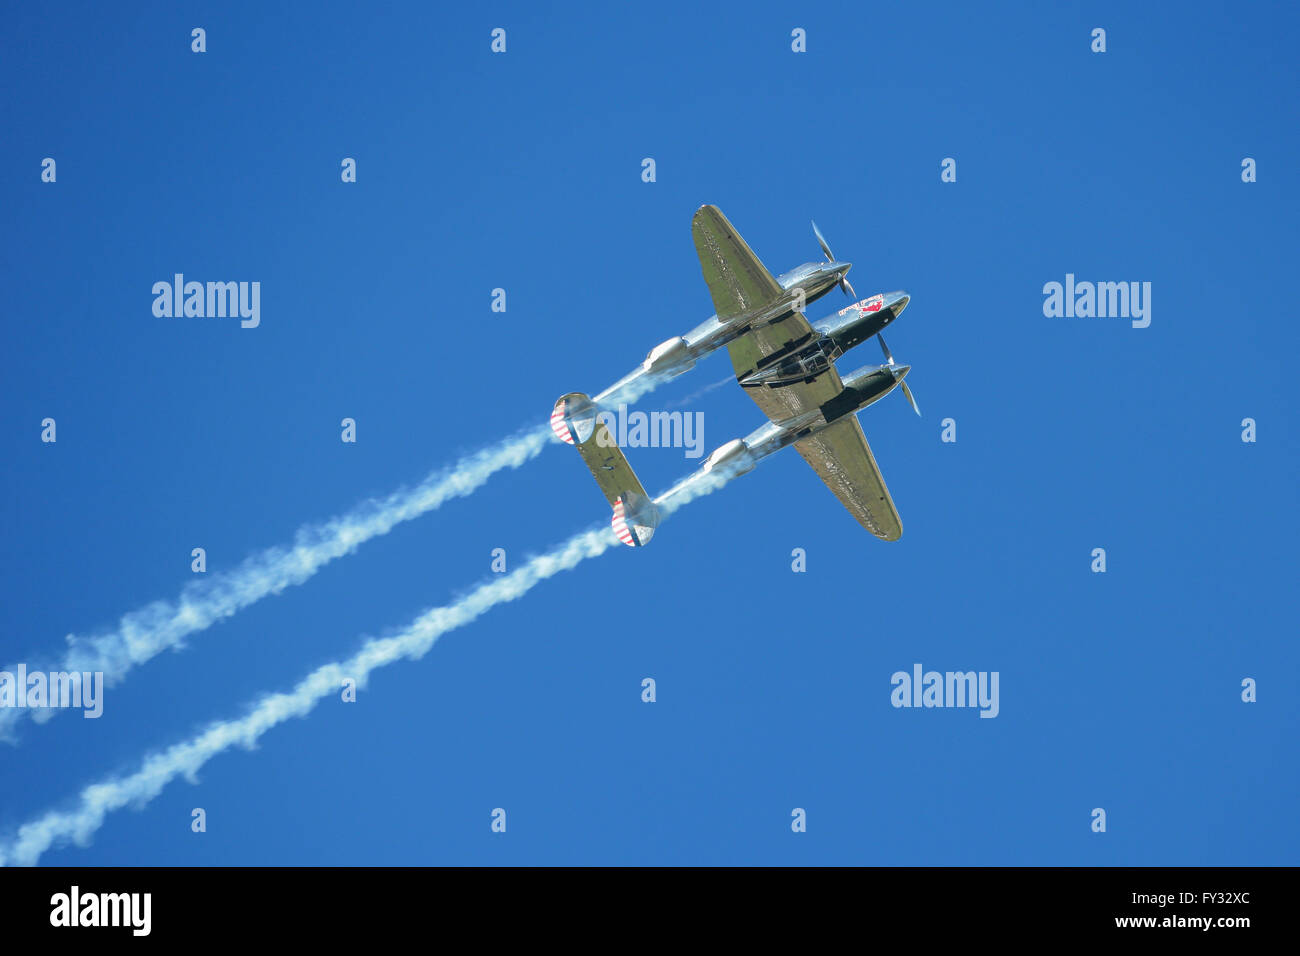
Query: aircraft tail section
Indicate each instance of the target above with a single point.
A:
(573, 418)
(635, 515)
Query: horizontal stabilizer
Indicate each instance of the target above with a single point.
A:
(635, 514)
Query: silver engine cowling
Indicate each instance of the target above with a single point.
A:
(868, 385)
(669, 358)
(732, 459)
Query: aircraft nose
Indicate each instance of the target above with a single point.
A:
(900, 372)
(897, 302)
(838, 268)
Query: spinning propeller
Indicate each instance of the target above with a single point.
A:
(903, 382)
(830, 257)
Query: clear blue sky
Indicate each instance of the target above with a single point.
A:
(1118, 690)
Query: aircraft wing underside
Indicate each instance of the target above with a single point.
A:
(795, 400)
(738, 282)
(842, 458)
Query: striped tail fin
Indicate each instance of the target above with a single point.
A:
(574, 419)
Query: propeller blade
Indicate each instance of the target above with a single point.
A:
(884, 348)
(847, 289)
(822, 242)
(908, 392)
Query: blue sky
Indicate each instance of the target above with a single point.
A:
(523, 171)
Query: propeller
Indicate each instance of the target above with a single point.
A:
(830, 257)
(821, 241)
(912, 401)
(907, 392)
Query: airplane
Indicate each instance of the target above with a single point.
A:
(785, 363)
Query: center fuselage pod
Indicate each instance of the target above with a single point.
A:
(834, 335)
(858, 322)
(808, 283)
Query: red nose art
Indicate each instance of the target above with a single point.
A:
(559, 425)
(619, 524)
(874, 304)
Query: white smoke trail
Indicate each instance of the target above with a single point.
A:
(634, 385)
(98, 800)
(145, 633)
(701, 392)
(185, 759)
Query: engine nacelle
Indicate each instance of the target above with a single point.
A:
(862, 387)
(671, 358)
(868, 378)
(734, 458)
